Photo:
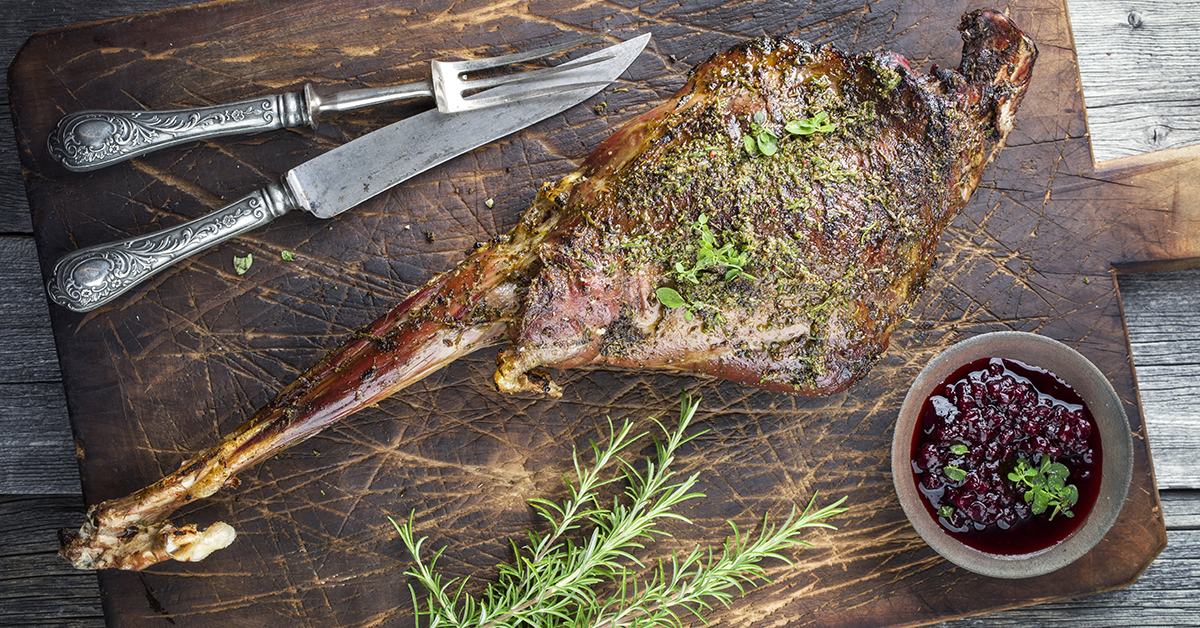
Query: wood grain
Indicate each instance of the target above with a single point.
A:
(27, 355)
(36, 454)
(850, 30)
(1160, 311)
(1137, 62)
(38, 589)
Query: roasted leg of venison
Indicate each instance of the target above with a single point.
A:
(771, 224)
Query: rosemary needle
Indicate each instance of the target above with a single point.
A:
(557, 580)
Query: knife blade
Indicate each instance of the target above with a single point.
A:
(336, 181)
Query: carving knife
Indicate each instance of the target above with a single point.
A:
(334, 182)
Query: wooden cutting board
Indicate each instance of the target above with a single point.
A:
(188, 355)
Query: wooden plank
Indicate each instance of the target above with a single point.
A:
(1165, 596)
(37, 456)
(27, 353)
(36, 451)
(1164, 331)
(195, 349)
(36, 587)
(1141, 82)
(1181, 509)
(21, 21)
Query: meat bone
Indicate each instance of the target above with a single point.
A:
(454, 314)
(567, 288)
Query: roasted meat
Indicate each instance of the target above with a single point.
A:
(770, 224)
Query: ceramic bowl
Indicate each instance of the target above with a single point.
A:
(1107, 411)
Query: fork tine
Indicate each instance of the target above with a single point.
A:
(491, 101)
(519, 57)
(530, 75)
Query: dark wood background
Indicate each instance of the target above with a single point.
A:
(735, 409)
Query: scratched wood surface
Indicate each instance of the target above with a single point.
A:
(996, 275)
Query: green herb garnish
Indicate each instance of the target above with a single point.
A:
(954, 473)
(945, 511)
(572, 577)
(760, 141)
(287, 256)
(242, 264)
(672, 299)
(816, 124)
(959, 449)
(709, 256)
(1047, 486)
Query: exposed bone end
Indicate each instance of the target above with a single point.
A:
(139, 546)
(187, 545)
(513, 375)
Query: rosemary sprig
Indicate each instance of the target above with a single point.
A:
(557, 581)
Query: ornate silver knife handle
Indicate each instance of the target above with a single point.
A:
(89, 140)
(90, 277)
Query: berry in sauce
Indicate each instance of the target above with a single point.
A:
(990, 424)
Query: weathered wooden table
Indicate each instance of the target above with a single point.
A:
(39, 483)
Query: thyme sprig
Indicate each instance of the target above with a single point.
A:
(727, 257)
(1047, 486)
(557, 581)
(765, 142)
(708, 255)
(819, 123)
(760, 140)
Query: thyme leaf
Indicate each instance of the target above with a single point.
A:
(954, 473)
(672, 299)
(242, 264)
(669, 297)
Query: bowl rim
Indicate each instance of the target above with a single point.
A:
(1106, 407)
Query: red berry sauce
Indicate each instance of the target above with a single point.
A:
(984, 418)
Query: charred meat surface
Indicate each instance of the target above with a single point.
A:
(839, 227)
(770, 224)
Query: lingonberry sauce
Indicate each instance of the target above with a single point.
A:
(982, 420)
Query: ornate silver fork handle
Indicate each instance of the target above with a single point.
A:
(90, 277)
(89, 140)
